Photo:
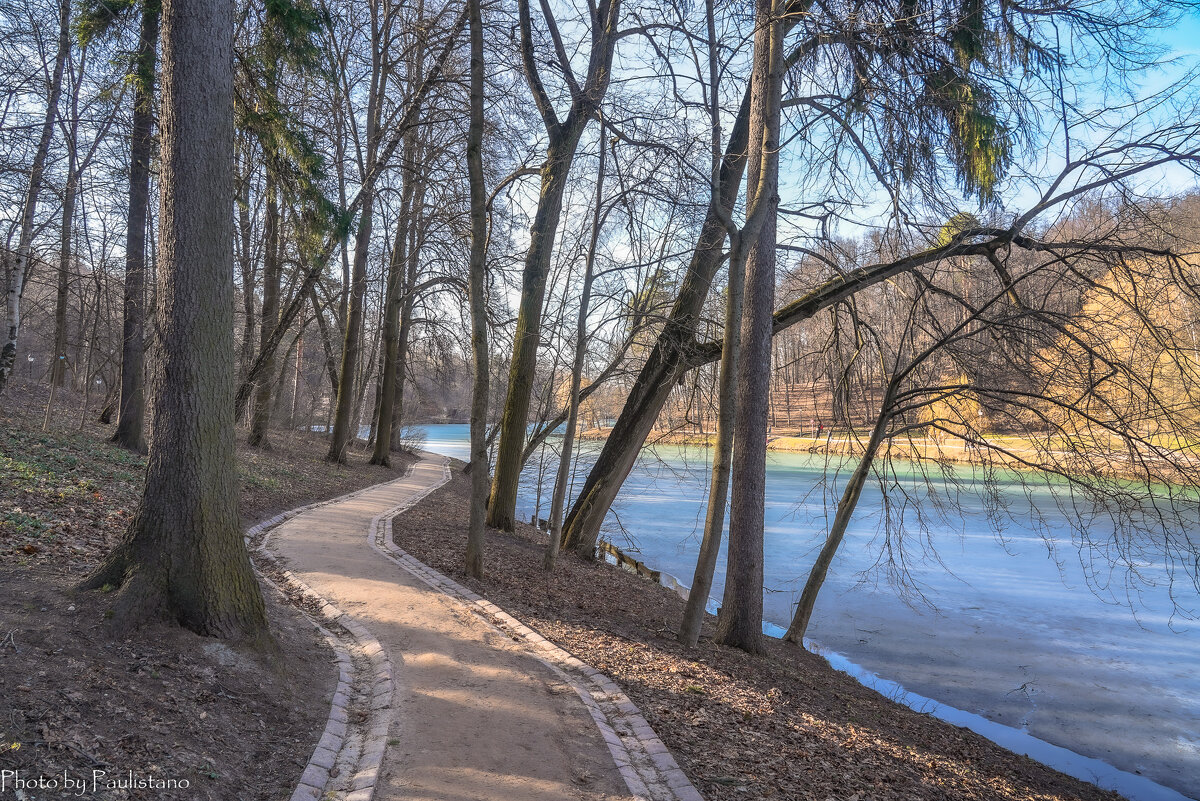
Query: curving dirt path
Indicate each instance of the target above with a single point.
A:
(474, 717)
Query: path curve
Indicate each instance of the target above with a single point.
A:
(459, 702)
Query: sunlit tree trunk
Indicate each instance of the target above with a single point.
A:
(477, 287)
(672, 354)
(666, 363)
(558, 498)
(845, 510)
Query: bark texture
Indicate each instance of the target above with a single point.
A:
(558, 497)
(183, 557)
(740, 622)
(477, 286)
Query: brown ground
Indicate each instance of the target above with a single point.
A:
(781, 726)
(158, 701)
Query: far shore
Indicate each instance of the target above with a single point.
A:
(997, 450)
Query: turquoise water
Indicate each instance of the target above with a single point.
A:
(1000, 603)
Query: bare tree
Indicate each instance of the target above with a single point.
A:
(16, 281)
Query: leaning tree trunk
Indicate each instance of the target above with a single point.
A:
(845, 510)
(564, 140)
(675, 347)
(132, 407)
(558, 497)
(514, 419)
(183, 557)
(477, 280)
(667, 359)
(740, 622)
(16, 284)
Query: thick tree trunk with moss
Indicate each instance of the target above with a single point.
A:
(183, 557)
(16, 283)
(131, 412)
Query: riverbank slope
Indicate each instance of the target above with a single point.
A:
(782, 725)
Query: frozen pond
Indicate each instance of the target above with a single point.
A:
(1015, 632)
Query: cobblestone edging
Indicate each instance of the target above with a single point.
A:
(646, 765)
(346, 761)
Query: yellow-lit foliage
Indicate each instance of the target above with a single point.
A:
(953, 413)
(1130, 360)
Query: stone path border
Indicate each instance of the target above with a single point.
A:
(361, 756)
(649, 770)
(646, 765)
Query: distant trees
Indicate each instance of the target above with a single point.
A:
(28, 214)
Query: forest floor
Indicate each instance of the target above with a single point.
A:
(160, 702)
(782, 725)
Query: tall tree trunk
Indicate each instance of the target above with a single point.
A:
(408, 302)
(16, 283)
(260, 419)
(131, 408)
(558, 497)
(564, 140)
(714, 522)
(346, 398)
(740, 622)
(718, 490)
(391, 347)
(58, 367)
(477, 286)
(514, 419)
(249, 268)
(183, 557)
(673, 350)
